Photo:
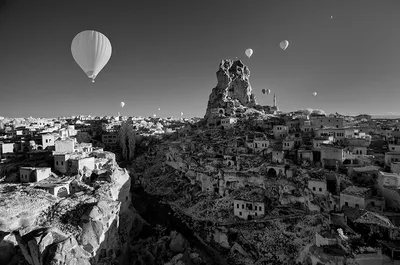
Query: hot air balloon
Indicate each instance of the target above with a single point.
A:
(122, 104)
(284, 44)
(91, 51)
(263, 90)
(159, 109)
(331, 17)
(249, 52)
(181, 113)
(314, 94)
(154, 115)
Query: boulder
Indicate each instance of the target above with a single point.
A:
(178, 243)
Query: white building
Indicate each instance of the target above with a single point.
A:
(34, 174)
(228, 122)
(388, 180)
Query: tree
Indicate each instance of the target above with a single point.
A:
(127, 141)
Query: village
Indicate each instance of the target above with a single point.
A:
(238, 170)
(264, 167)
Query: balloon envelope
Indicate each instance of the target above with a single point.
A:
(314, 94)
(284, 44)
(91, 50)
(181, 113)
(268, 91)
(249, 52)
(264, 91)
(122, 104)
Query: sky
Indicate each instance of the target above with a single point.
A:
(166, 53)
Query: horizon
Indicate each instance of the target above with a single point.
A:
(167, 57)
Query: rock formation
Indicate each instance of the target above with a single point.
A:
(233, 89)
(92, 226)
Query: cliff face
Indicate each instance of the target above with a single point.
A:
(96, 224)
(233, 88)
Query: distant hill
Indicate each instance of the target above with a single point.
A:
(385, 116)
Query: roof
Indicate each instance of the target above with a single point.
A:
(352, 213)
(366, 169)
(255, 195)
(389, 174)
(356, 191)
(36, 168)
(374, 218)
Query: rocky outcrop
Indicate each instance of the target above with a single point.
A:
(92, 226)
(51, 246)
(233, 89)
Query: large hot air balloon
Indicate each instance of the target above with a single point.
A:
(249, 52)
(284, 44)
(91, 51)
(263, 90)
(181, 113)
(314, 94)
(122, 104)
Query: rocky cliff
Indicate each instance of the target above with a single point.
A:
(92, 226)
(233, 89)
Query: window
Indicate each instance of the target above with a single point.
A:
(313, 188)
(346, 203)
(56, 163)
(255, 214)
(320, 189)
(357, 205)
(242, 206)
(237, 205)
(372, 203)
(62, 163)
(259, 208)
(240, 213)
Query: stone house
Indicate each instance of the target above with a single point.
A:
(66, 145)
(318, 186)
(250, 205)
(34, 174)
(360, 198)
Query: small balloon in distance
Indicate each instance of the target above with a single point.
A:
(249, 53)
(284, 44)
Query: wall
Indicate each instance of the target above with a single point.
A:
(47, 140)
(24, 174)
(327, 122)
(243, 213)
(277, 156)
(65, 146)
(317, 185)
(331, 153)
(391, 156)
(60, 163)
(322, 241)
(42, 173)
(394, 148)
(395, 167)
(352, 201)
(280, 131)
(390, 180)
(288, 145)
